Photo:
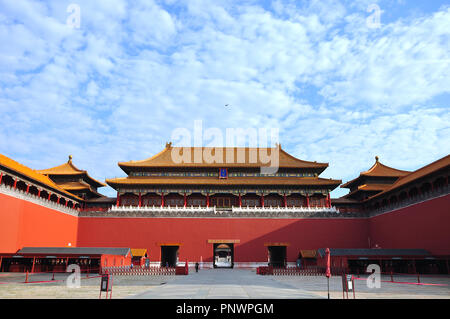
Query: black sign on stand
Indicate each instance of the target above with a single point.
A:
(106, 285)
(348, 284)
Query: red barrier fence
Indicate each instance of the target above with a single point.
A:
(138, 271)
(320, 271)
(38, 277)
(296, 271)
(396, 277)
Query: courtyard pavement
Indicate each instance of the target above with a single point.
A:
(225, 284)
(245, 284)
(220, 284)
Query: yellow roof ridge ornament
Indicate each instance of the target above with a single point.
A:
(70, 159)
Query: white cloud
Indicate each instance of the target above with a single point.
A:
(114, 89)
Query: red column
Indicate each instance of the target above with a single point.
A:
(1, 176)
(39, 193)
(185, 200)
(262, 200)
(57, 201)
(15, 183)
(118, 200)
(49, 195)
(285, 200)
(207, 200)
(73, 205)
(28, 188)
(67, 202)
(140, 199)
(162, 199)
(307, 200)
(240, 200)
(32, 267)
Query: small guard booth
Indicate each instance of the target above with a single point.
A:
(138, 256)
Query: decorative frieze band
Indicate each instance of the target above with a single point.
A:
(212, 191)
(37, 200)
(236, 212)
(39, 188)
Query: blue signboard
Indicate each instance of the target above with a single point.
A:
(223, 173)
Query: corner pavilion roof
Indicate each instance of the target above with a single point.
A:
(32, 174)
(79, 186)
(417, 174)
(70, 169)
(368, 188)
(164, 159)
(378, 170)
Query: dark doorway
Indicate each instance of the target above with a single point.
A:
(223, 255)
(169, 256)
(277, 256)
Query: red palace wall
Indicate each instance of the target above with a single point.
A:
(193, 235)
(24, 224)
(425, 225)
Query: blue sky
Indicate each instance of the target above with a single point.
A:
(340, 90)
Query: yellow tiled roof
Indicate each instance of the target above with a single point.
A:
(68, 169)
(415, 175)
(164, 158)
(32, 174)
(378, 170)
(308, 253)
(138, 252)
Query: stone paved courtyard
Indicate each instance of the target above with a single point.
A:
(220, 283)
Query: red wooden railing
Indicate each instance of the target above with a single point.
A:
(138, 271)
(296, 271)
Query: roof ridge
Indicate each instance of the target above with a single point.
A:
(379, 164)
(147, 159)
(300, 160)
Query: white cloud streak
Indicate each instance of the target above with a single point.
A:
(114, 89)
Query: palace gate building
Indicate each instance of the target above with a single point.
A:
(226, 212)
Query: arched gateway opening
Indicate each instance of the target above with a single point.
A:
(223, 255)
